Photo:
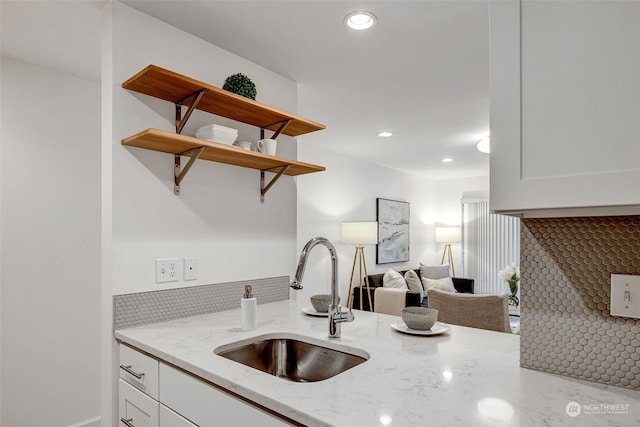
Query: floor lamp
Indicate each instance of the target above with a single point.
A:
(359, 234)
(448, 235)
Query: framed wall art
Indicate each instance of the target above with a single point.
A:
(393, 231)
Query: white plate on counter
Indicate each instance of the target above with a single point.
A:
(437, 329)
(312, 312)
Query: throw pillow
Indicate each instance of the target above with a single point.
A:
(413, 282)
(393, 279)
(434, 271)
(444, 284)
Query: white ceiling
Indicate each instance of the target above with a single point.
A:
(59, 35)
(421, 72)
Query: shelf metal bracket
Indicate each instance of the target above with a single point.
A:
(264, 188)
(179, 175)
(190, 102)
(283, 126)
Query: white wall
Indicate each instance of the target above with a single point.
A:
(218, 217)
(50, 247)
(347, 191)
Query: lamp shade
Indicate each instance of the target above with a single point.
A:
(360, 233)
(447, 234)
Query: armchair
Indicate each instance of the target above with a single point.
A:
(476, 311)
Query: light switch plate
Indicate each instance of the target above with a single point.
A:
(625, 295)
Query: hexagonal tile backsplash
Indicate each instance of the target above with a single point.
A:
(143, 308)
(566, 327)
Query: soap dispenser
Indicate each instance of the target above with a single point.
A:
(249, 310)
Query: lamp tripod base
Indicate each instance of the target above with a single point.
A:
(358, 258)
(447, 254)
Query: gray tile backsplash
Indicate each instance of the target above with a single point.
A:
(566, 327)
(158, 306)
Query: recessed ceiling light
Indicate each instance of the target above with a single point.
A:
(447, 160)
(385, 134)
(360, 20)
(484, 145)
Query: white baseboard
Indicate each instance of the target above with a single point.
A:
(92, 422)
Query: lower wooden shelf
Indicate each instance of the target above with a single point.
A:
(173, 143)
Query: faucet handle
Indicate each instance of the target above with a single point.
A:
(343, 316)
(350, 317)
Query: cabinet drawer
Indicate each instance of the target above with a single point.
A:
(133, 364)
(207, 406)
(136, 408)
(168, 418)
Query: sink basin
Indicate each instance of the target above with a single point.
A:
(293, 358)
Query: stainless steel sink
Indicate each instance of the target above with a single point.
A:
(293, 358)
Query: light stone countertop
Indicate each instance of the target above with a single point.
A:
(408, 381)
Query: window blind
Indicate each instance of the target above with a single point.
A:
(490, 243)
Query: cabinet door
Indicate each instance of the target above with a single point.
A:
(207, 406)
(133, 364)
(565, 107)
(168, 418)
(136, 408)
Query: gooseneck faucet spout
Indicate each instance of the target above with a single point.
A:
(335, 315)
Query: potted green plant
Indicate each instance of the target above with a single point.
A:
(240, 84)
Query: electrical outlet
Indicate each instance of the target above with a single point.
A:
(190, 268)
(167, 270)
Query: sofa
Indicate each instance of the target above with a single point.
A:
(412, 299)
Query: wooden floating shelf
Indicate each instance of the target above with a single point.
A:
(184, 91)
(170, 86)
(170, 142)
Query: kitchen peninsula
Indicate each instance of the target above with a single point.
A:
(467, 377)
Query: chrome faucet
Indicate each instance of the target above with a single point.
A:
(336, 316)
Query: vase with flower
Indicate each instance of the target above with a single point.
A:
(511, 275)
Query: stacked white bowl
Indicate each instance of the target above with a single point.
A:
(217, 133)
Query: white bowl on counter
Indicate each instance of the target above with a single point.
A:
(217, 133)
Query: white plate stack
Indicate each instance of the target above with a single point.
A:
(217, 133)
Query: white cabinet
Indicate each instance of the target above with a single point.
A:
(137, 389)
(139, 370)
(565, 108)
(136, 409)
(168, 418)
(207, 406)
(154, 394)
